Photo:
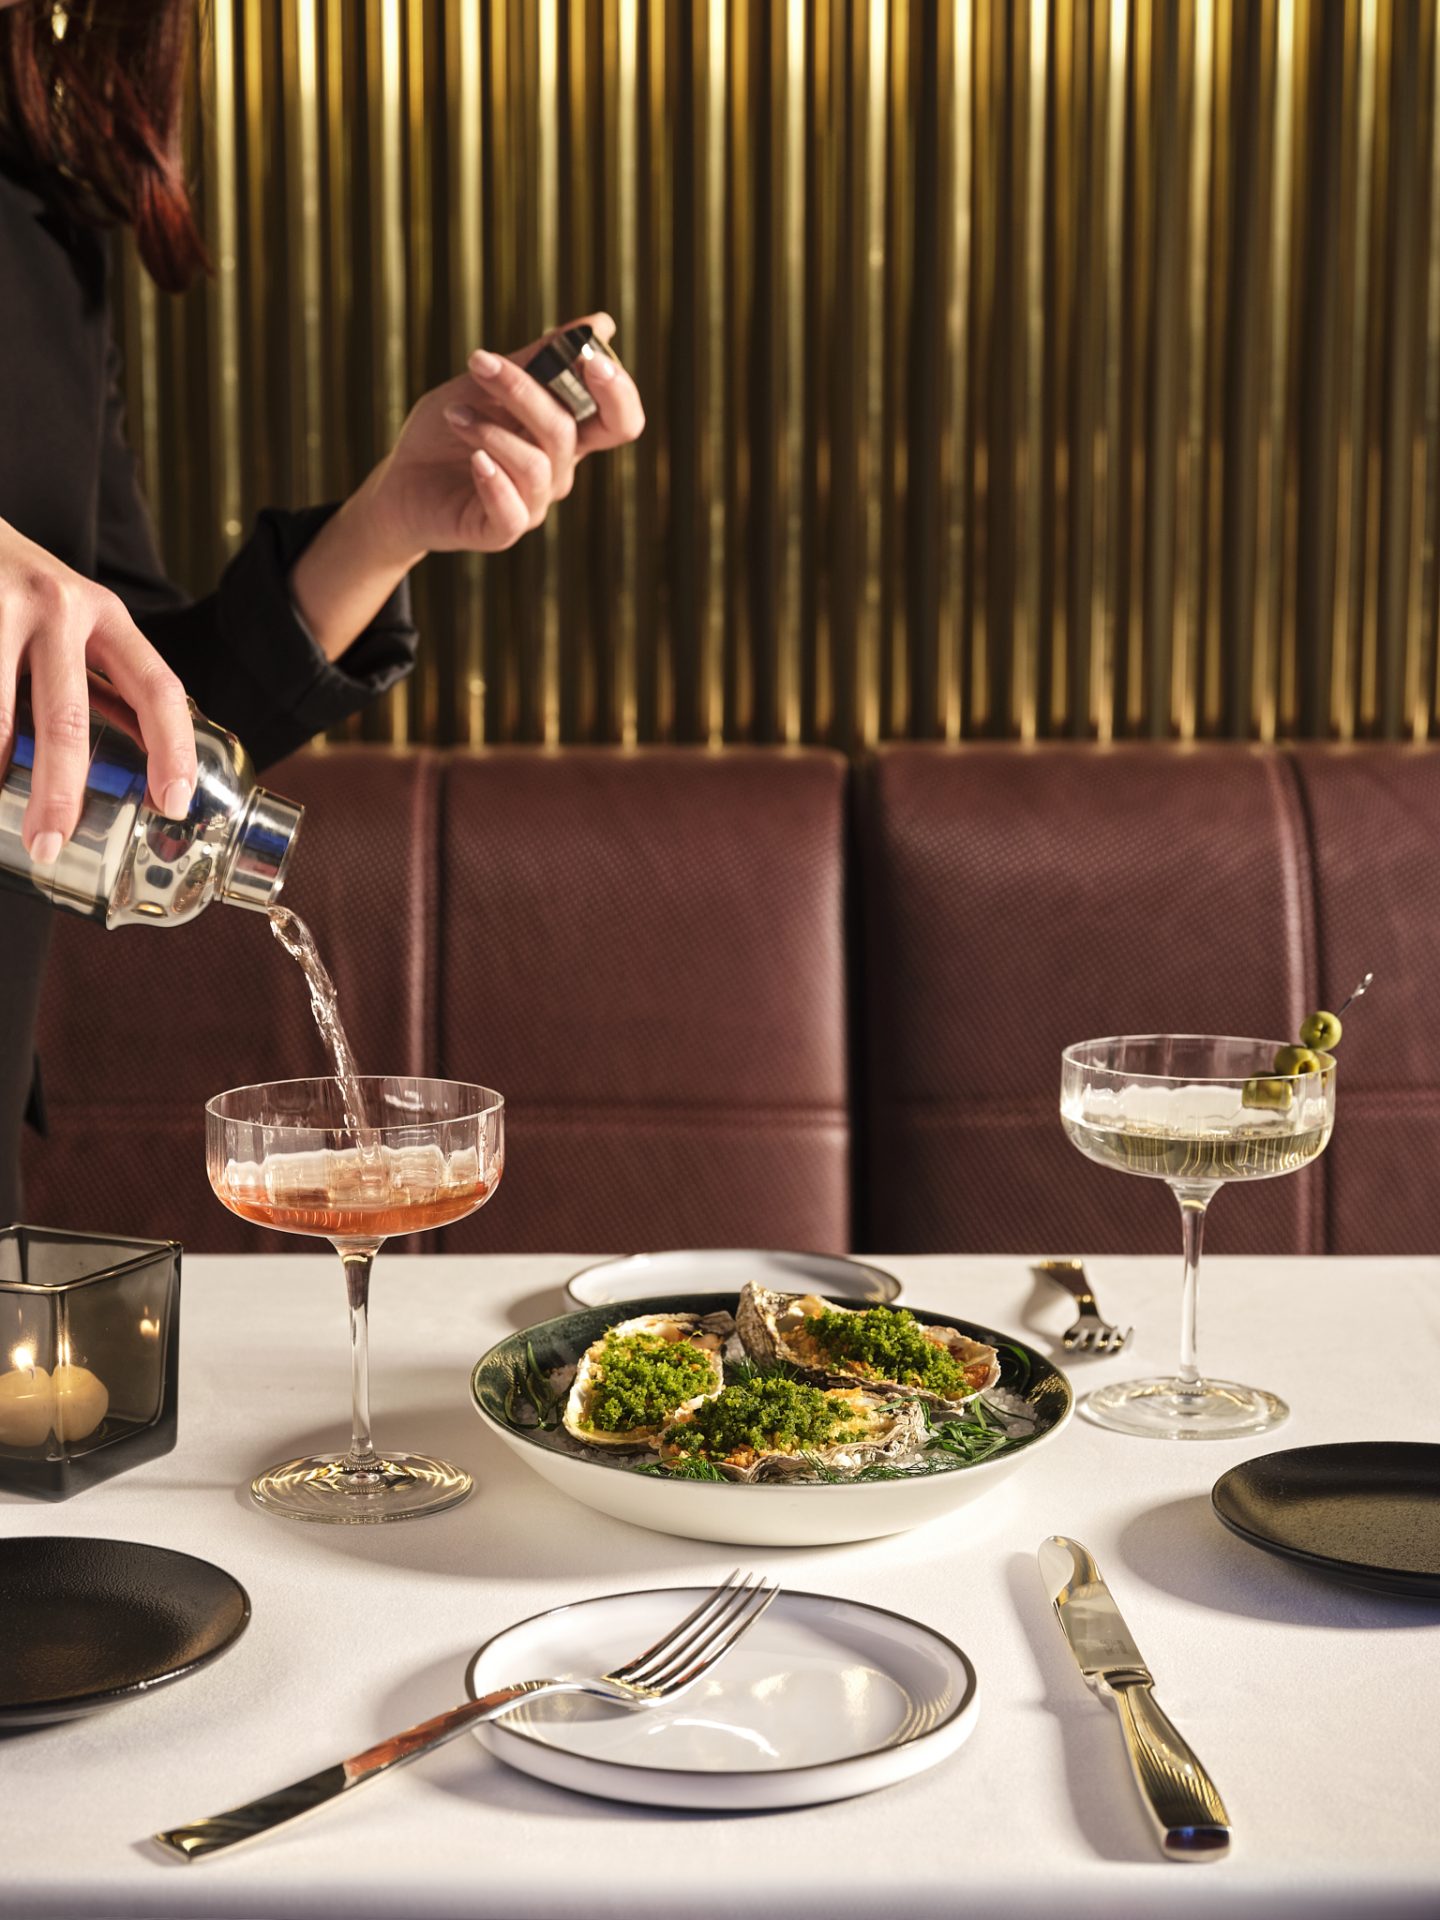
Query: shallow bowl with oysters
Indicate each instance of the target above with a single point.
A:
(768, 1418)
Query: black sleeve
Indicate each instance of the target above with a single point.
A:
(244, 656)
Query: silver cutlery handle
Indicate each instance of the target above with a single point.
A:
(1069, 1274)
(1181, 1797)
(223, 1830)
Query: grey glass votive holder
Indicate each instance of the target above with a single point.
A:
(89, 1351)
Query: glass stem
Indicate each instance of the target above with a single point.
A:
(358, 1262)
(1193, 1202)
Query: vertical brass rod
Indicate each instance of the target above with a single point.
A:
(338, 281)
(954, 506)
(988, 216)
(388, 213)
(1190, 515)
(549, 109)
(1424, 695)
(1350, 558)
(663, 355)
(740, 229)
(224, 192)
(1104, 653)
(1029, 471)
(1142, 304)
(789, 638)
(628, 320)
(466, 181)
(827, 147)
(147, 324)
(1211, 666)
(269, 453)
(305, 127)
(898, 535)
(712, 675)
(1266, 684)
(1063, 358)
(868, 649)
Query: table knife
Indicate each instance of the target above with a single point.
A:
(1180, 1796)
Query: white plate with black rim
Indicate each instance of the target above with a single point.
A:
(824, 1698)
(725, 1270)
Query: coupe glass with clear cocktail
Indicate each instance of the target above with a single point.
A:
(356, 1162)
(1196, 1111)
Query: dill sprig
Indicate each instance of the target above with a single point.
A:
(530, 1387)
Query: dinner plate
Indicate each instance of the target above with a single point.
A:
(91, 1623)
(823, 1698)
(725, 1270)
(1367, 1511)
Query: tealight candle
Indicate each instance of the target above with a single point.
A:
(27, 1401)
(81, 1401)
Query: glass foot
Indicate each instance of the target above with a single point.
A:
(400, 1486)
(1169, 1409)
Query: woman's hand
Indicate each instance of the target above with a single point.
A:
(478, 463)
(56, 626)
(480, 460)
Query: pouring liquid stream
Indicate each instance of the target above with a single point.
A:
(298, 941)
(358, 1193)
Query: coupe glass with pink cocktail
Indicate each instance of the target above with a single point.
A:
(356, 1162)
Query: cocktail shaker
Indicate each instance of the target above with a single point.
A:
(125, 863)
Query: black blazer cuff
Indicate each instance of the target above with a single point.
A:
(300, 693)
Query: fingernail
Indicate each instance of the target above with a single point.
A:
(486, 365)
(45, 849)
(484, 464)
(602, 367)
(461, 416)
(175, 801)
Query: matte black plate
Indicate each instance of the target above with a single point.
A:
(85, 1624)
(1367, 1511)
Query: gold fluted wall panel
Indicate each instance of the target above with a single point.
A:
(1014, 367)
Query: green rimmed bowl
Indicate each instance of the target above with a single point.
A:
(770, 1514)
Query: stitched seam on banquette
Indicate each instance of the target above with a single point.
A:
(1301, 824)
(1303, 942)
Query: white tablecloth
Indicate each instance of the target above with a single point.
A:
(1316, 1707)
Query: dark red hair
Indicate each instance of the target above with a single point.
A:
(99, 108)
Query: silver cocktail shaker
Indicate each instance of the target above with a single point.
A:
(125, 863)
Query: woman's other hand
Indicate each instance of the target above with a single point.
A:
(478, 463)
(56, 626)
(481, 460)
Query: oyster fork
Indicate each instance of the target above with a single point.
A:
(686, 1654)
(1090, 1333)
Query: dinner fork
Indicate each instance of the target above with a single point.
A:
(1090, 1333)
(686, 1654)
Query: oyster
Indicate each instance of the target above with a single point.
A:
(757, 1430)
(772, 1327)
(631, 1344)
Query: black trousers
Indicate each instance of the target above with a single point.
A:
(25, 923)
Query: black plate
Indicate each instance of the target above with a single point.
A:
(85, 1624)
(1367, 1511)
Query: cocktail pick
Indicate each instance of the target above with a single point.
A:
(1355, 994)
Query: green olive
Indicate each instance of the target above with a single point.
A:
(1298, 1060)
(1273, 1094)
(1322, 1031)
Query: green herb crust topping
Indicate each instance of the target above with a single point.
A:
(887, 1343)
(643, 1378)
(768, 1414)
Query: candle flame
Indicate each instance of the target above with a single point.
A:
(149, 1324)
(22, 1358)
